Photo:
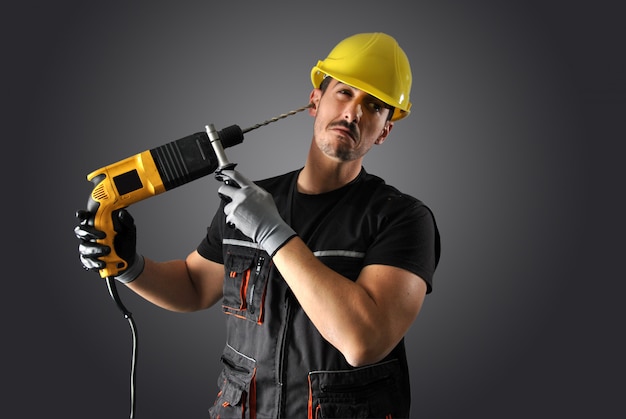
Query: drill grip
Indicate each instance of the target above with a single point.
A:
(105, 219)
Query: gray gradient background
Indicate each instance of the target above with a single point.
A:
(514, 142)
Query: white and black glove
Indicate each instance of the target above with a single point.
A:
(252, 210)
(125, 243)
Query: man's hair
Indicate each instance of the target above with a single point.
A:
(326, 81)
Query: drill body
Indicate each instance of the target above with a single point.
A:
(147, 174)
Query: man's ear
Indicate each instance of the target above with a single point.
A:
(385, 132)
(314, 100)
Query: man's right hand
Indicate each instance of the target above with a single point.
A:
(125, 243)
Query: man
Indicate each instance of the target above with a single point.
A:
(320, 271)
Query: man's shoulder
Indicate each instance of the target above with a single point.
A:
(381, 190)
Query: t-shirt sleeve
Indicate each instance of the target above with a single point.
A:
(408, 239)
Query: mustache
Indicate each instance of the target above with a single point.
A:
(352, 127)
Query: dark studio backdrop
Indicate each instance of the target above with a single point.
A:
(514, 141)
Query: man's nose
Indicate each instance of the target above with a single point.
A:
(353, 112)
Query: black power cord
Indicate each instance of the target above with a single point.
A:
(111, 285)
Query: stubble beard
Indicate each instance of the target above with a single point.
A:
(339, 151)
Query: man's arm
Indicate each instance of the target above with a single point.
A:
(178, 285)
(181, 285)
(365, 319)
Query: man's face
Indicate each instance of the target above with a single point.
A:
(348, 121)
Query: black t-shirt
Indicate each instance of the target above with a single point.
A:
(309, 211)
(366, 217)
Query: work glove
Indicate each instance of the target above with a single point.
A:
(125, 244)
(252, 211)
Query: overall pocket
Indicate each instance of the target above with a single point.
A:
(237, 387)
(245, 283)
(366, 392)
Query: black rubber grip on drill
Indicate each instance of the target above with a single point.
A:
(191, 157)
(184, 160)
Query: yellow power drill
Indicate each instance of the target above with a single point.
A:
(141, 176)
(150, 173)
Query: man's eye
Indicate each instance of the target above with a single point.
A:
(376, 107)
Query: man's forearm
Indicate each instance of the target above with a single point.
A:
(340, 309)
(170, 286)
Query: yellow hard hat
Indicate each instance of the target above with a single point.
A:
(373, 63)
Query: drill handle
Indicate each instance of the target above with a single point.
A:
(105, 219)
(223, 162)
